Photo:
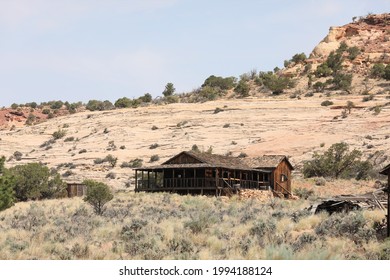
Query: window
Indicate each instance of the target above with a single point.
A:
(266, 177)
(283, 178)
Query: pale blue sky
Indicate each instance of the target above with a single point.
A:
(77, 50)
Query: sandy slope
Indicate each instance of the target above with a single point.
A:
(257, 126)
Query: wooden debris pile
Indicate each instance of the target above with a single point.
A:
(258, 195)
(345, 203)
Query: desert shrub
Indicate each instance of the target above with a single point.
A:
(326, 103)
(122, 147)
(342, 81)
(261, 228)
(218, 110)
(195, 148)
(337, 162)
(14, 106)
(125, 102)
(132, 163)
(220, 82)
(299, 57)
(303, 192)
(171, 99)
(323, 70)
(353, 52)
(200, 222)
(153, 146)
(242, 155)
(96, 105)
(82, 151)
(67, 173)
(7, 193)
(35, 181)
(59, 134)
(154, 127)
(207, 93)
(98, 194)
(242, 88)
(111, 160)
(351, 225)
(146, 98)
(226, 125)
(18, 155)
(277, 84)
(169, 90)
(56, 105)
(111, 175)
(379, 70)
(304, 240)
(368, 98)
(46, 111)
(31, 119)
(154, 158)
(69, 139)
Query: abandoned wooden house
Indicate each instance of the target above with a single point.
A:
(76, 189)
(190, 172)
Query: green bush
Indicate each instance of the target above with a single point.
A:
(146, 98)
(242, 88)
(59, 134)
(35, 181)
(220, 82)
(98, 194)
(135, 163)
(342, 81)
(125, 102)
(277, 84)
(353, 52)
(169, 90)
(326, 103)
(96, 105)
(154, 158)
(56, 105)
(299, 57)
(337, 162)
(7, 193)
(323, 70)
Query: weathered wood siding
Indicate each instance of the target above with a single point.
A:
(183, 159)
(76, 190)
(282, 184)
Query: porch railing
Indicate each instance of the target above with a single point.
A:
(199, 183)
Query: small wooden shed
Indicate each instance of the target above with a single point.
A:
(280, 168)
(386, 171)
(76, 189)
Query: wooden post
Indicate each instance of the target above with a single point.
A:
(136, 180)
(388, 202)
(148, 179)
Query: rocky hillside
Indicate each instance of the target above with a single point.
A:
(366, 42)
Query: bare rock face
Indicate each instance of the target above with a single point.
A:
(370, 34)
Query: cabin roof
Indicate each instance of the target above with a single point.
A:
(268, 161)
(219, 161)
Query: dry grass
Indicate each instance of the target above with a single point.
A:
(169, 226)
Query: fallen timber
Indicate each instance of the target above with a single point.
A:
(346, 203)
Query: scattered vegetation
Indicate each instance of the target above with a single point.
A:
(337, 162)
(326, 103)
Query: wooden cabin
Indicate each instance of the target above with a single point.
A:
(190, 172)
(76, 189)
(280, 168)
(386, 171)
